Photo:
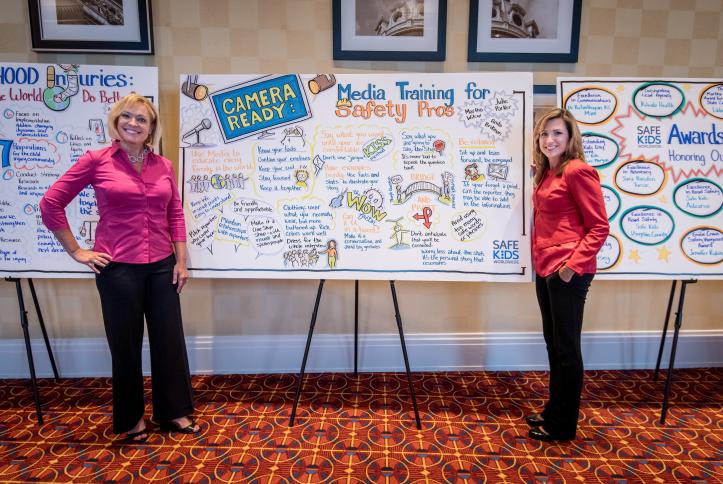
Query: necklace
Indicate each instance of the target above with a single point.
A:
(139, 158)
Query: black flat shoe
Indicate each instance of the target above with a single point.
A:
(539, 433)
(136, 437)
(534, 420)
(173, 427)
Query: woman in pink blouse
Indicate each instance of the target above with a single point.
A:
(570, 226)
(139, 260)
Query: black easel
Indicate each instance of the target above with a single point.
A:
(356, 340)
(26, 335)
(678, 323)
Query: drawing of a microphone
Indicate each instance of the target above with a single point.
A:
(204, 124)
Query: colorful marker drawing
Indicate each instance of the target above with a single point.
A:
(656, 146)
(57, 97)
(55, 115)
(406, 176)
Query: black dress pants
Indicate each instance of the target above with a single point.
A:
(128, 292)
(562, 305)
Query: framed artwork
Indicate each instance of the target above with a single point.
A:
(411, 30)
(105, 26)
(524, 30)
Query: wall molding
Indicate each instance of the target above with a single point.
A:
(84, 357)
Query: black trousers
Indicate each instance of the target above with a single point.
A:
(562, 305)
(128, 292)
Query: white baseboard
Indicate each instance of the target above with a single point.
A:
(377, 352)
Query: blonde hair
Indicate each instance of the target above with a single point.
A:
(154, 132)
(572, 151)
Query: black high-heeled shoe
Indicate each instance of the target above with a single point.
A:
(135, 437)
(534, 420)
(539, 433)
(171, 426)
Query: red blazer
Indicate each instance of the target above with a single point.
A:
(570, 222)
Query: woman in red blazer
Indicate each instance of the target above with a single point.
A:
(570, 226)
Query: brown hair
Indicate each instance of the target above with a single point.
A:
(574, 145)
(154, 133)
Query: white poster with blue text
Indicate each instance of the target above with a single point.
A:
(374, 176)
(658, 147)
(50, 115)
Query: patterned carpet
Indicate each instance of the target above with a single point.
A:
(362, 430)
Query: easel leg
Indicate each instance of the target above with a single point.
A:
(678, 324)
(28, 349)
(404, 352)
(42, 327)
(665, 330)
(356, 326)
(306, 353)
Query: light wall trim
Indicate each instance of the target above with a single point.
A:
(86, 357)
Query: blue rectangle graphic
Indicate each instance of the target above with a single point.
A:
(260, 105)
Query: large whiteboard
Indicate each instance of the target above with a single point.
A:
(393, 176)
(51, 114)
(658, 147)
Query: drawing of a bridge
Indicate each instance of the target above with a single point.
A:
(442, 192)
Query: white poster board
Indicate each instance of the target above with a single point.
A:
(50, 115)
(658, 147)
(375, 176)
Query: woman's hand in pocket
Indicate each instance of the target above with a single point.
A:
(566, 274)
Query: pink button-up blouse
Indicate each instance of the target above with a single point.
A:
(140, 214)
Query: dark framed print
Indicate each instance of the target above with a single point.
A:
(411, 30)
(105, 26)
(524, 30)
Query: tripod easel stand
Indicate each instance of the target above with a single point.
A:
(26, 335)
(678, 324)
(398, 318)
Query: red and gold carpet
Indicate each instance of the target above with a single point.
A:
(362, 430)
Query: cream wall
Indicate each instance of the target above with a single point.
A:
(681, 38)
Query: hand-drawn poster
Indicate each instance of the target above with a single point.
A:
(398, 176)
(51, 114)
(658, 147)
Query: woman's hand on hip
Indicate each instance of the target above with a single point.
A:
(180, 276)
(94, 260)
